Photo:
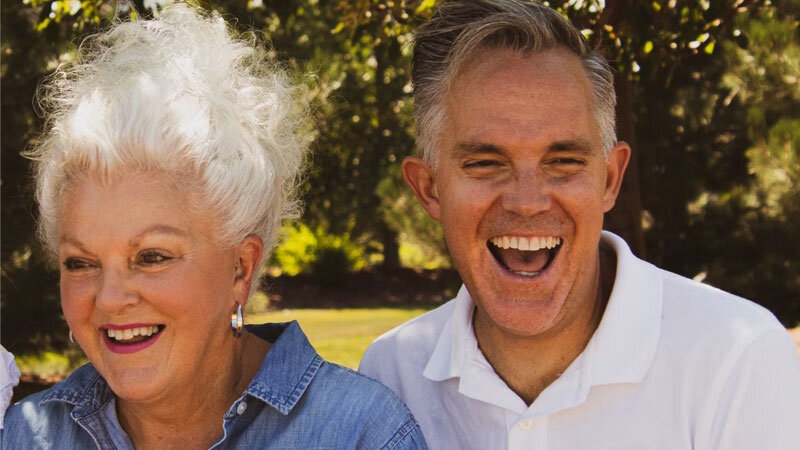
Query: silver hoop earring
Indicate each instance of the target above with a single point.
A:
(237, 322)
(71, 338)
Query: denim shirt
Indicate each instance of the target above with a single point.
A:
(296, 401)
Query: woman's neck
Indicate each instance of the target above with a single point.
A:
(192, 418)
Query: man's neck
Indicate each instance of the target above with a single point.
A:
(528, 364)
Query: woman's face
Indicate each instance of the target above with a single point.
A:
(146, 288)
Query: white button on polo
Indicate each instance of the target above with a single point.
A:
(241, 407)
(526, 424)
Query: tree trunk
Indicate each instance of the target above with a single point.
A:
(625, 219)
(391, 248)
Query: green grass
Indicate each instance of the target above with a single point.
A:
(50, 364)
(341, 335)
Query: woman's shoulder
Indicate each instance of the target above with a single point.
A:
(384, 419)
(43, 419)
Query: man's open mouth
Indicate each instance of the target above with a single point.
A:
(526, 256)
(133, 335)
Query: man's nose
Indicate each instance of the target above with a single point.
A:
(115, 292)
(527, 194)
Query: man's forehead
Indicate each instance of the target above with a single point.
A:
(507, 99)
(495, 62)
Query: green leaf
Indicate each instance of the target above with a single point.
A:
(709, 48)
(648, 47)
(426, 5)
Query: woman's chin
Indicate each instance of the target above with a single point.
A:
(137, 385)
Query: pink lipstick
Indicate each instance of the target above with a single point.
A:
(130, 338)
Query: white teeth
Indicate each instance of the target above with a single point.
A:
(130, 333)
(523, 243)
(524, 273)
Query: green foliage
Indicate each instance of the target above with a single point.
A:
(715, 102)
(313, 251)
(50, 364)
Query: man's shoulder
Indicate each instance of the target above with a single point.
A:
(708, 304)
(710, 320)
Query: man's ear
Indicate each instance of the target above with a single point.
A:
(248, 255)
(616, 164)
(419, 177)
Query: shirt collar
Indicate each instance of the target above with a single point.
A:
(283, 377)
(624, 345)
(621, 350)
(84, 388)
(455, 341)
(288, 368)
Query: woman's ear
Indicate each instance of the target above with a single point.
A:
(248, 255)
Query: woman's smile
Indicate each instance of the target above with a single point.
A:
(131, 338)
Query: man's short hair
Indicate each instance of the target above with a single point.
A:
(459, 28)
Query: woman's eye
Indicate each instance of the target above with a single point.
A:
(152, 257)
(76, 264)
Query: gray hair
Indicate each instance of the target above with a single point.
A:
(459, 28)
(176, 95)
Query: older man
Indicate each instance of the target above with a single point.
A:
(560, 338)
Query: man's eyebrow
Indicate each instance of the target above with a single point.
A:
(463, 149)
(576, 146)
(157, 229)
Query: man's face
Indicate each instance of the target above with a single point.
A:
(520, 186)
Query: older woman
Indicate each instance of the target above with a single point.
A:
(169, 161)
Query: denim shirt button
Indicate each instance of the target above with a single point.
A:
(241, 407)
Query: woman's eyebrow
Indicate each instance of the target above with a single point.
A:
(157, 229)
(75, 242)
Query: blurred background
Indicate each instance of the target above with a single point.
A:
(709, 99)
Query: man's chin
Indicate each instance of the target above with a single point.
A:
(517, 315)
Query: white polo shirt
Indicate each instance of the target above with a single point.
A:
(674, 364)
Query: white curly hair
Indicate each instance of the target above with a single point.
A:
(176, 95)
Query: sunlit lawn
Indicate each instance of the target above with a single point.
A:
(339, 335)
(342, 335)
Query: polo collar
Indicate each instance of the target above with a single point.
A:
(283, 377)
(624, 345)
(455, 341)
(621, 350)
(288, 368)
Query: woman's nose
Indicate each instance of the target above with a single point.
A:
(114, 293)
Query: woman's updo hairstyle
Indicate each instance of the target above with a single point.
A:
(180, 97)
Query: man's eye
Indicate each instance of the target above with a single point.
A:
(152, 257)
(480, 164)
(76, 264)
(567, 162)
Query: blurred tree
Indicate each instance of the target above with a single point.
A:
(708, 100)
